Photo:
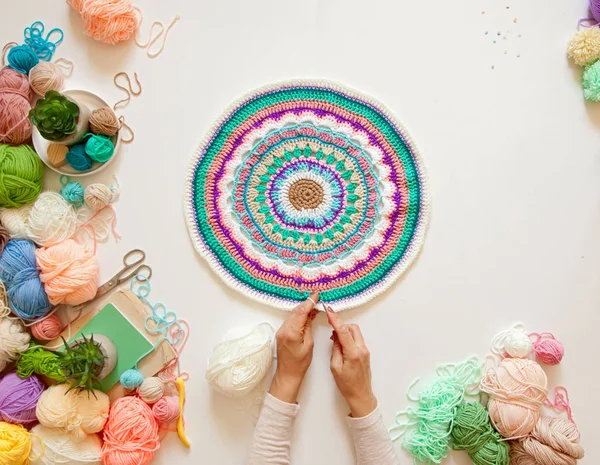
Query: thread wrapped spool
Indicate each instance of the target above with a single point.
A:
(22, 58)
(69, 271)
(59, 448)
(14, 221)
(104, 122)
(166, 410)
(46, 76)
(548, 349)
(77, 413)
(19, 397)
(14, 339)
(517, 390)
(47, 329)
(97, 196)
(15, 96)
(131, 433)
(15, 444)
(239, 363)
(151, 390)
(51, 220)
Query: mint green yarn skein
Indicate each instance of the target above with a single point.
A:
(591, 82)
(99, 148)
(21, 173)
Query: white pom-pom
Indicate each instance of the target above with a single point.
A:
(151, 390)
(13, 339)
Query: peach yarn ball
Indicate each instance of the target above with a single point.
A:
(109, 21)
(517, 390)
(47, 329)
(46, 76)
(15, 126)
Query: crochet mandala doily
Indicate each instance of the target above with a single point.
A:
(307, 185)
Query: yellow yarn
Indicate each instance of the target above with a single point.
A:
(584, 47)
(15, 445)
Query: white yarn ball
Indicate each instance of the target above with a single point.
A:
(518, 344)
(51, 220)
(14, 338)
(14, 221)
(241, 361)
(61, 449)
(97, 196)
(151, 390)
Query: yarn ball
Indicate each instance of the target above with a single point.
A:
(554, 441)
(549, 351)
(4, 237)
(584, 47)
(51, 220)
(151, 390)
(46, 76)
(99, 148)
(41, 362)
(14, 339)
(518, 344)
(240, 362)
(47, 329)
(26, 296)
(69, 271)
(15, 126)
(131, 379)
(15, 444)
(166, 410)
(97, 196)
(131, 433)
(108, 21)
(75, 412)
(22, 58)
(473, 432)
(78, 159)
(104, 122)
(14, 221)
(21, 172)
(60, 448)
(591, 82)
(595, 9)
(18, 398)
(517, 389)
(73, 192)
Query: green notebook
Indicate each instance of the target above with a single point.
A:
(130, 343)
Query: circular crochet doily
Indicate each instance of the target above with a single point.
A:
(307, 185)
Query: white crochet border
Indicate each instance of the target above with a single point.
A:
(277, 302)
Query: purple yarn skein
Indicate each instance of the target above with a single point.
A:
(19, 397)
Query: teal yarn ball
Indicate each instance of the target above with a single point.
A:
(73, 192)
(591, 82)
(78, 159)
(22, 58)
(131, 379)
(99, 148)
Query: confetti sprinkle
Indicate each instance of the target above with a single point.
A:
(507, 7)
(499, 33)
(483, 12)
(506, 52)
(515, 20)
(505, 38)
(519, 36)
(494, 41)
(486, 33)
(518, 55)
(493, 67)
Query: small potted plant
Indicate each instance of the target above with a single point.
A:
(60, 119)
(87, 361)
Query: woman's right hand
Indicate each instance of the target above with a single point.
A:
(351, 366)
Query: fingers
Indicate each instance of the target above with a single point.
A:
(357, 335)
(337, 359)
(342, 331)
(308, 329)
(300, 314)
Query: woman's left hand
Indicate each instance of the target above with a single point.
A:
(294, 351)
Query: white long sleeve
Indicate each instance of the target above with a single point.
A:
(372, 443)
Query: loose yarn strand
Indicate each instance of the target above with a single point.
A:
(128, 90)
(66, 65)
(6, 49)
(126, 126)
(561, 402)
(42, 46)
(152, 39)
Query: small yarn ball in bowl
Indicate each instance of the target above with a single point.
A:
(51, 220)
(99, 148)
(73, 193)
(15, 126)
(14, 221)
(151, 390)
(166, 410)
(97, 196)
(108, 22)
(15, 444)
(19, 397)
(46, 76)
(21, 173)
(548, 349)
(14, 339)
(103, 121)
(22, 58)
(78, 159)
(59, 448)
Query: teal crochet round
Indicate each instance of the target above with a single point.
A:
(305, 186)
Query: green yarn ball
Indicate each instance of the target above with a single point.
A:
(99, 148)
(21, 173)
(473, 432)
(40, 362)
(591, 82)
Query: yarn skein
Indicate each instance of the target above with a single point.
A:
(595, 9)
(26, 296)
(512, 342)
(517, 390)
(19, 397)
(59, 448)
(131, 433)
(14, 339)
(104, 122)
(15, 444)
(166, 410)
(51, 220)
(473, 432)
(151, 390)
(547, 348)
(78, 159)
(22, 58)
(239, 363)
(15, 95)
(47, 329)
(14, 221)
(21, 173)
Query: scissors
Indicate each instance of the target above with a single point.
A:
(133, 261)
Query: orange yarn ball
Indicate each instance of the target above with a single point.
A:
(69, 271)
(109, 21)
(131, 433)
(15, 126)
(47, 329)
(166, 410)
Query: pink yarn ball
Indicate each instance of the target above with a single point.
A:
(15, 127)
(549, 351)
(166, 410)
(47, 329)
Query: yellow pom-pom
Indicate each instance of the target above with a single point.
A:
(584, 47)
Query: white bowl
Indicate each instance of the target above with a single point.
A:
(93, 102)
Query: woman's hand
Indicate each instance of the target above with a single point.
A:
(351, 366)
(294, 351)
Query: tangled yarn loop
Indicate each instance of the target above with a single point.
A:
(15, 444)
(15, 126)
(42, 46)
(51, 220)
(18, 398)
(14, 339)
(59, 448)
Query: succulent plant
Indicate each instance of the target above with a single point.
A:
(82, 361)
(55, 116)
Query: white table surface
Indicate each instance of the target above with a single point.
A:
(514, 166)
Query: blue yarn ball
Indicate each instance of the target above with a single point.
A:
(26, 295)
(99, 148)
(22, 58)
(131, 379)
(73, 192)
(78, 159)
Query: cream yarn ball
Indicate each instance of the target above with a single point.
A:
(76, 412)
(240, 362)
(514, 342)
(60, 449)
(584, 47)
(151, 390)
(46, 76)
(97, 196)
(14, 221)
(51, 220)
(14, 338)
